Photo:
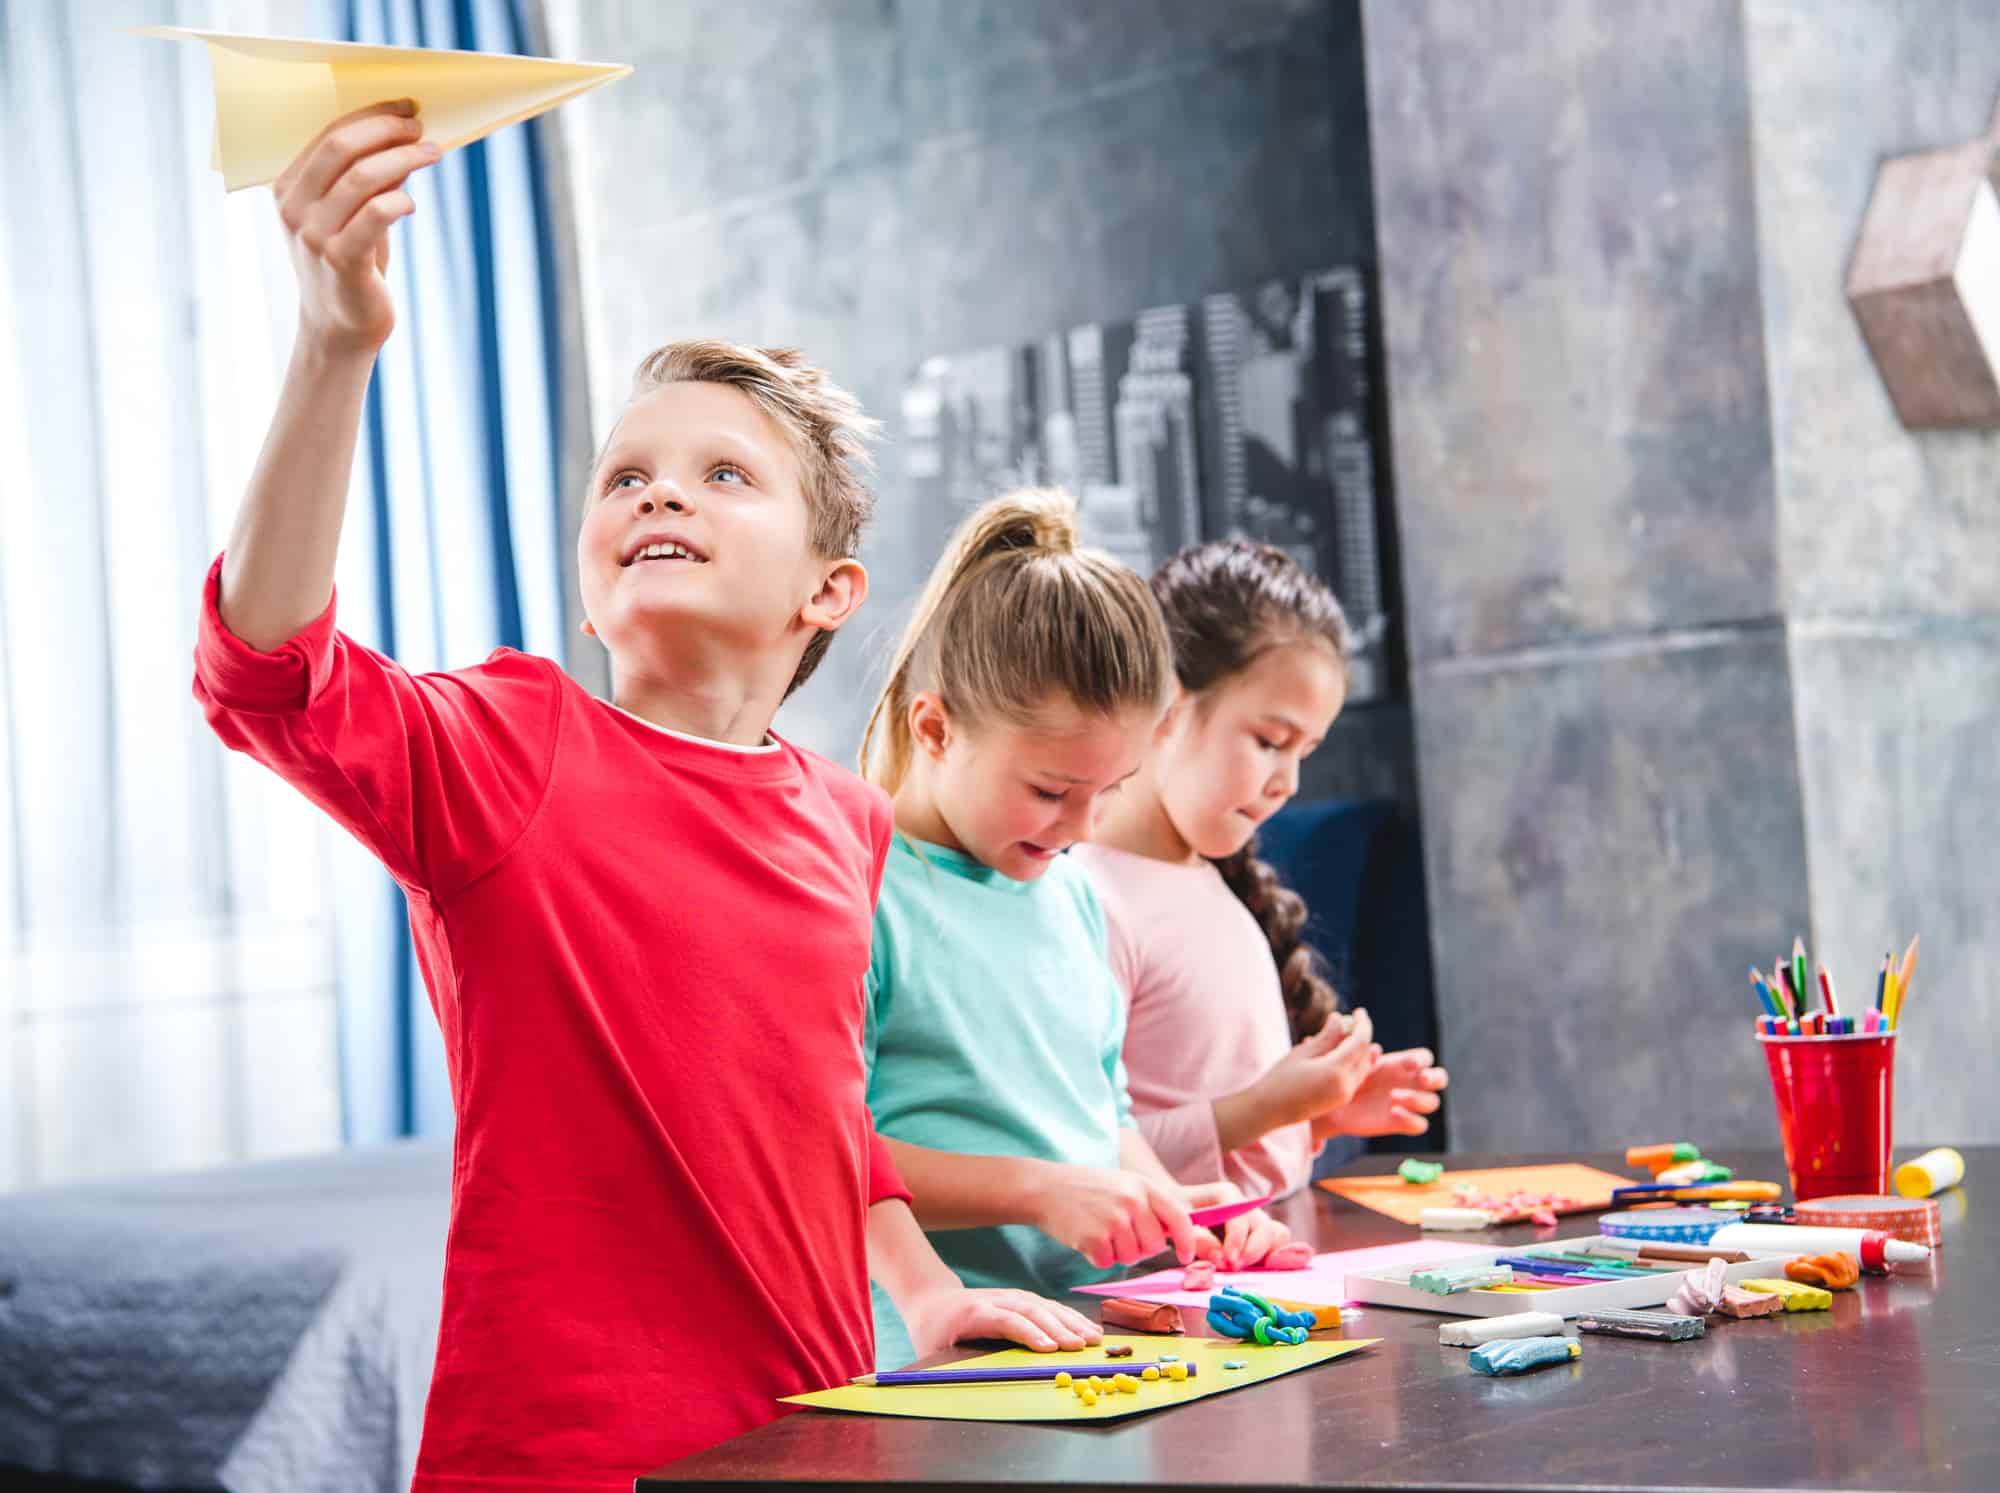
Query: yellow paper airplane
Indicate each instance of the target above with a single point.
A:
(273, 95)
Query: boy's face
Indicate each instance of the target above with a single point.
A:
(696, 529)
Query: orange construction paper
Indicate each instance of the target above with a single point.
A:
(1405, 1202)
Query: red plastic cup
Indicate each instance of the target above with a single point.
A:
(1836, 1105)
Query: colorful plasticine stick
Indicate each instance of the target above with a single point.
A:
(1797, 1297)
(1669, 1327)
(1652, 1158)
(1524, 1354)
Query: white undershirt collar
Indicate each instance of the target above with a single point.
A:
(767, 745)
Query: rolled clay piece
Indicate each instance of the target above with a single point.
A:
(1834, 1272)
(1140, 1316)
(1420, 1173)
(1665, 1327)
(1521, 1355)
(1454, 1218)
(1700, 1294)
(1797, 1297)
(1293, 1256)
(1200, 1276)
(1476, 1330)
(1737, 1302)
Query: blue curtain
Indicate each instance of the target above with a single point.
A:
(452, 547)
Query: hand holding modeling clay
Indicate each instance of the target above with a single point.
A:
(1320, 1074)
(1246, 1238)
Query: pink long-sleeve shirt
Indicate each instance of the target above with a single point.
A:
(1205, 1015)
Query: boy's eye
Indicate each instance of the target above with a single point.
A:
(621, 479)
(733, 473)
(1269, 746)
(1046, 796)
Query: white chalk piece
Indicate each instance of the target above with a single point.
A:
(1454, 1218)
(1473, 1331)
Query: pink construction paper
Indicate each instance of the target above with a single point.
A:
(1322, 1282)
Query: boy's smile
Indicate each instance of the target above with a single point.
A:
(661, 545)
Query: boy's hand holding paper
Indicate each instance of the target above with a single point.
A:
(336, 201)
(274, 95)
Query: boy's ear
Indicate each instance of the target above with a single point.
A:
(1176, 707)
(839, 596)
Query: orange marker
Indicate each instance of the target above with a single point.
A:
(1659, 1158)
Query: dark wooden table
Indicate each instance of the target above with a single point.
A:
(1897, 1388)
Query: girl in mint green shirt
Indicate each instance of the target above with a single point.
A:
(1026, 689)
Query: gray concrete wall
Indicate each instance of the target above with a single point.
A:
(1703, 642)
(1890, 541)
(880, 180)
(1567, 243)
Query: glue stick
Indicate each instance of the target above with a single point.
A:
(1931, 1172)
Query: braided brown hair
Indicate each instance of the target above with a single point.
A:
(1226, 604)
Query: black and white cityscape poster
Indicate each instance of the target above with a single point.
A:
(1246, 414)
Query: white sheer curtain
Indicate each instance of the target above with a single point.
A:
(166, 969)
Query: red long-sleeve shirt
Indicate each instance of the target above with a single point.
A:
(646, 956)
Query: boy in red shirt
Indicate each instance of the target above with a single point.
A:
(644, 927)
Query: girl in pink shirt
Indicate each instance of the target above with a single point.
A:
(1238, 1057)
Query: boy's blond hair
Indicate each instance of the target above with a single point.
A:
(828, 432)
(1014, 613)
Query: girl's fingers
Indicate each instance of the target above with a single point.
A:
(364, 239)
(1234, 1235)
(1076, 1321)
(1324, 1040)
(295, 169)
(1265, 1236)
(1063, 1328)
(362, 182)
(1148, 1233)
(1124, 1244)
(991, 1320)
(1417, 1101)
(1434, 1078)
(1184, 1232)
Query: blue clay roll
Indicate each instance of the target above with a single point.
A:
(1522, 1355)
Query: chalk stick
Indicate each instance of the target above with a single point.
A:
(1448, 1280)
(1454, 1218)
(1473, 1331)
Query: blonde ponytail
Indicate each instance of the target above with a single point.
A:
(1015, 612)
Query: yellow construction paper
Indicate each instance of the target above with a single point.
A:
(273, 95)
(1039, 1399)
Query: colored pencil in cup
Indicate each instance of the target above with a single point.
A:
(1826, 991)
(1900, 981)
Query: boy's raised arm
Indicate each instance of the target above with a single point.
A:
(336, 202)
